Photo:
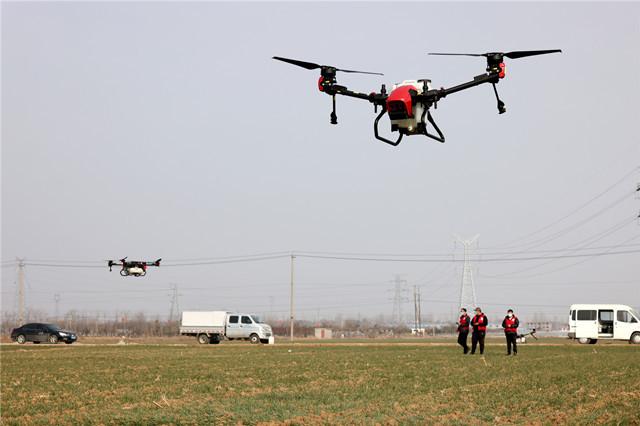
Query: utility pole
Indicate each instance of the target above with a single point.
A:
(56, 299)
(467, 288)
(419, 309)
(291, 317)
(20, 291)
(415, 307)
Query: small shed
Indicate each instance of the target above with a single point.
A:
(323, 333)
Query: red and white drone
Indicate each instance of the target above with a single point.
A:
(409, 102)
(133, 268)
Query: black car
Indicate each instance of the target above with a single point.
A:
(36, 333)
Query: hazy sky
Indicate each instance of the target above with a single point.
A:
(166, 130)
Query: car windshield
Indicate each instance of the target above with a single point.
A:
(635, 314)
(256, 319)
(52, 327)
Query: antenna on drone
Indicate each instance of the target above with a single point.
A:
(467, 287)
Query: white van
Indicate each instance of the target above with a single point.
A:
(588, 323)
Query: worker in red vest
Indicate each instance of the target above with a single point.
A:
(510, 324)
(479, 323)
(463, 329)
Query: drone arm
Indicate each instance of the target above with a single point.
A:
(432, 96)
(477, 80)
(374, 98)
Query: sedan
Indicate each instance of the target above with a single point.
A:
(37, 333)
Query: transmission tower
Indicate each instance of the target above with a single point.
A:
(174, 309)
(467, 287)
(399, 298)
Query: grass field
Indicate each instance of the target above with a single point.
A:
(374, 382)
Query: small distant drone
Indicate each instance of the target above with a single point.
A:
(522, 338)
(408, 104)
(134, 268)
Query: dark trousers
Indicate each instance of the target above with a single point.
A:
(462, 340)
(477, 337)
(511, 341)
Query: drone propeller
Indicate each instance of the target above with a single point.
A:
(511, 55)
(312, 66)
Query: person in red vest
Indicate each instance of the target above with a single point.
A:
(463, 330)
(510, 324)
(479, 323)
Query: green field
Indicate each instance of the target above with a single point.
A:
(377, 382)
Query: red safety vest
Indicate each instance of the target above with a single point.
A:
(481, 322)
(463, 323)
(510, 324)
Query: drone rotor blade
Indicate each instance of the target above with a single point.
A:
(524, 53)
(303, 64)
(457, 54)
(312, 66)
(359, 72)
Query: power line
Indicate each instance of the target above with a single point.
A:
(574, 211)
(570, 265)
(92, 264)
(415, 259)
(562, 232)
(589, 240)
(479, 259)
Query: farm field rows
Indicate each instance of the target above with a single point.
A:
(319, 383)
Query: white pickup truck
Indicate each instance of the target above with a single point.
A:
(215, 326)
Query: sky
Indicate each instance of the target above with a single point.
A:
(165, 130)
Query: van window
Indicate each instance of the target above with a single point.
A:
(246, 320)
(586, 315)
(606, 316)
(233, 319)
(625, 316)
(573, 315)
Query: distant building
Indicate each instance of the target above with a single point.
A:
(541, 325)
(323, 333)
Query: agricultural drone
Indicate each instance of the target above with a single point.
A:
(409, 103)
(134, 268)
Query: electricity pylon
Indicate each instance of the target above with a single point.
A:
(467, 287)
